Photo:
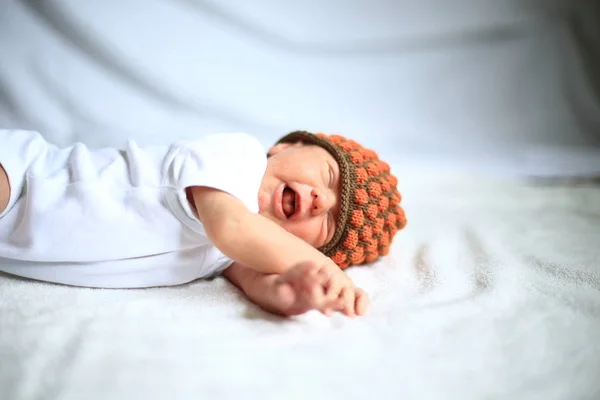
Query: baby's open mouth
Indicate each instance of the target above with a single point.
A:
(288, 201)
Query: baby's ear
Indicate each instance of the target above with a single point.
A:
(282, 146)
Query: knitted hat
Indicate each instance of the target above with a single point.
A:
(370, 211)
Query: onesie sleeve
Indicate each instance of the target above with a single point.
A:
(234, 163)
(18, 150)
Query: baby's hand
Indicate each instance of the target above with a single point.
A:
(325, 288)
(352, 301)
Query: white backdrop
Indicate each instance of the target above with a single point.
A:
(496, 85)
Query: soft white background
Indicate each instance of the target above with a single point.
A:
(508, 86)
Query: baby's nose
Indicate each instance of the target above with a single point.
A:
(321, 202)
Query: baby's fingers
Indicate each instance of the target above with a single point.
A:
(314, 293)
(347, 297)
(330, 306)
(352, 302)
(361, 302)
(333, 288)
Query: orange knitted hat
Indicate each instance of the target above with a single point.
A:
(370, 213)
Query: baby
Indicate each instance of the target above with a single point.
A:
(280, 227)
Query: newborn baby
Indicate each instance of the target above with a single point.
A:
(280, 227)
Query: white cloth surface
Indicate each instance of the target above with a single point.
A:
(491, 292)
(118, 218)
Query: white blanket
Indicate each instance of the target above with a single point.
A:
(492, 291)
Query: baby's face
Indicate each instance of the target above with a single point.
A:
(300, 191)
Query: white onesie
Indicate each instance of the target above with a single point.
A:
(118, 218)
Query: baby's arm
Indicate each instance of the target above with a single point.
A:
(248, 238)
(275, 269)
(300, 289)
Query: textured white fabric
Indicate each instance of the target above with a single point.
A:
(491, 292)
(118, 218)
